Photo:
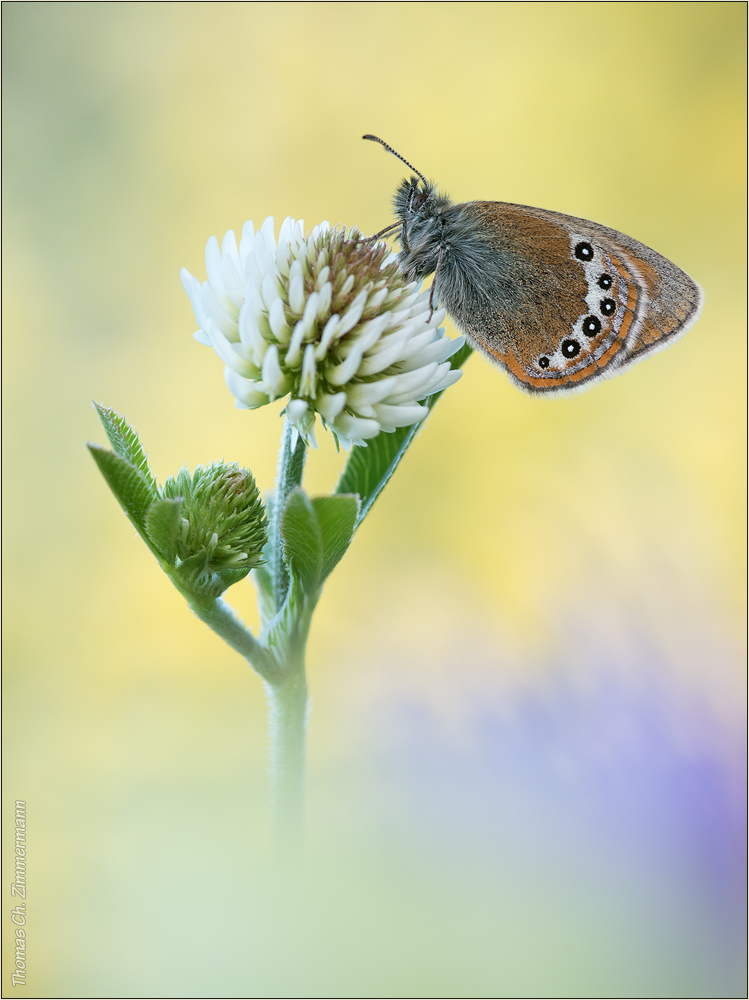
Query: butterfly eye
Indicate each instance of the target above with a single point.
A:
(605, 282)
(608, 307)
(571, 348)
(591, 326)
(584, 251)
(543, 362)
(418, 200)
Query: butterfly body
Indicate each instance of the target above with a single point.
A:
(558, 302)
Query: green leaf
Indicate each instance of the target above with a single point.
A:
(134, 493)
(227, 576)
(280, 632)
(336, 516)
(193, 576)
(302, 540)
(196, 579)
(163, 524)
(125, 442)
(266, 598)
(369, 469)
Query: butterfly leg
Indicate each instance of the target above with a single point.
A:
(434, 282)
(404, 239)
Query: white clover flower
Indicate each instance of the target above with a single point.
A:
(328, 320)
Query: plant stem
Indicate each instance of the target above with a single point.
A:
(287, 710)
(219, 616)
(287, 716)
(286, 692)
(288, 476)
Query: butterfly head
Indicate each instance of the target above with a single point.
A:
(417, 199)
(419, 208)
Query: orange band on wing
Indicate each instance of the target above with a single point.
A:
(633, 295)
(522, 375)
(595, 365)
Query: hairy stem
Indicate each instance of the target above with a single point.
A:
(287, 711)
(220, 617)
(288, 476)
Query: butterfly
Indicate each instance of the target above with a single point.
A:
(556, 301)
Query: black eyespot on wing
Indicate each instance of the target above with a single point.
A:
(605, 282)
(591, 326)
(570, 348)
(608, 307)
(584, 251)
(543, 362)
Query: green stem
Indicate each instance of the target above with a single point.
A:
(219, 616)
(286, 693)
(288, 476)
(287, 712)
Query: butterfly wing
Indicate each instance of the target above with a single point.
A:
(559, 302)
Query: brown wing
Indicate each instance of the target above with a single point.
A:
(570, 302)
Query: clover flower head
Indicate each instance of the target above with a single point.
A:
(327, 319)
(223, 525)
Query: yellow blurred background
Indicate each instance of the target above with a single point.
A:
(525, 547)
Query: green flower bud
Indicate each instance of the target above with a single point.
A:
(221, 528)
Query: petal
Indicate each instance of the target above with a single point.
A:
(245, 245)
(310, 309)
(400, 336)
(413, 381)
(416, 343)
(325, 299)
(330, 406)
(352, 315)
(246, 392)
(249, 332)
(366, 336)
(253, 273)
(296, 287)
(186, 278)
(400, 416)
(376, 363)
(347, 285)
(455, 346)
(376, 299)
(273, 378)
(343, 373)
(327, 336)
(277, 322)
(271, 292)
(449, 378)
(442, 378)
(232, 282)
(269, 237)
(214, 310)
(294, 352)
(438, 350)
(356, 427)
(308, 382)
(283, 254)
(367, 393)
(229, 248)
(228, 355)
(213, 267)
(296, 410)
(195, 290)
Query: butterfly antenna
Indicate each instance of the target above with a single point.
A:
(390, 149)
